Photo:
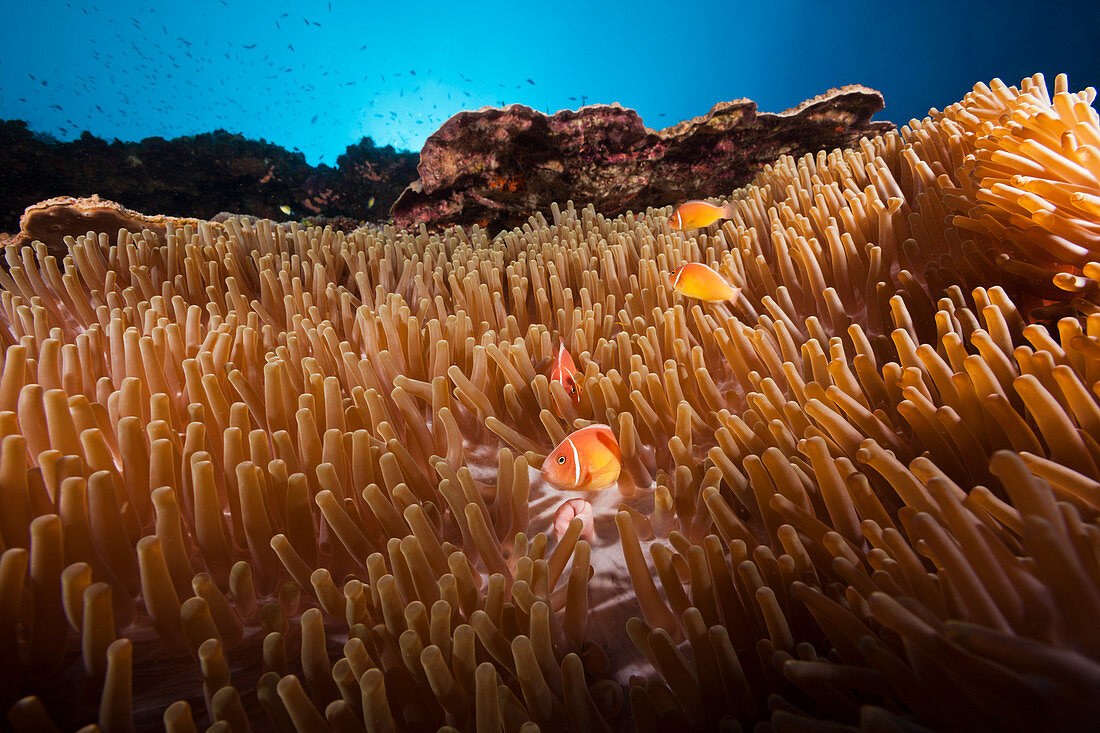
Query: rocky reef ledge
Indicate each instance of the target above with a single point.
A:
(201, 175)
(494, 166)
(490, 167)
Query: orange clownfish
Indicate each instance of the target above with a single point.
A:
(696, 214)
(696, 280)
(588, 459)
(563, 370)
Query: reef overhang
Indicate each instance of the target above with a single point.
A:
(494, 166)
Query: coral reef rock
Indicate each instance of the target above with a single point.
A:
(202, 174)
(51, 221)
(495, 166)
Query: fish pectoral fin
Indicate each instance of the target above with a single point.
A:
(544, 365)
(600, 470)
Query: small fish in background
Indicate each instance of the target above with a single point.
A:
(285, 209)
(698, 214)
(370, 202)
(563, 369)
(697, 280)
(588, 459)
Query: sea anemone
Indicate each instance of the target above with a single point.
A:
(265, 476)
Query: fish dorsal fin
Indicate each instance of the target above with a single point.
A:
(607, 438)
(546, 364)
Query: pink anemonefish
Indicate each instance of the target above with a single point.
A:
(696, 280)
(563, 370)
(588, 459)
(697, 214)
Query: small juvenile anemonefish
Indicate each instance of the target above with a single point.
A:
(564, 370)
(696, 280)
(696, 214)
(588, 459)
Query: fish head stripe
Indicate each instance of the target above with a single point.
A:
(576, 461)
(679, 274)
(678, 220)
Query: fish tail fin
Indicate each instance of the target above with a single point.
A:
(729, 210)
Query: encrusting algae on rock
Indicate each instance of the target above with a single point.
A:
(259, 476)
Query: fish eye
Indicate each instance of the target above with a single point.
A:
(573, 388)
(561, 460)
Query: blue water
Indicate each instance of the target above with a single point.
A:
(317, 76)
